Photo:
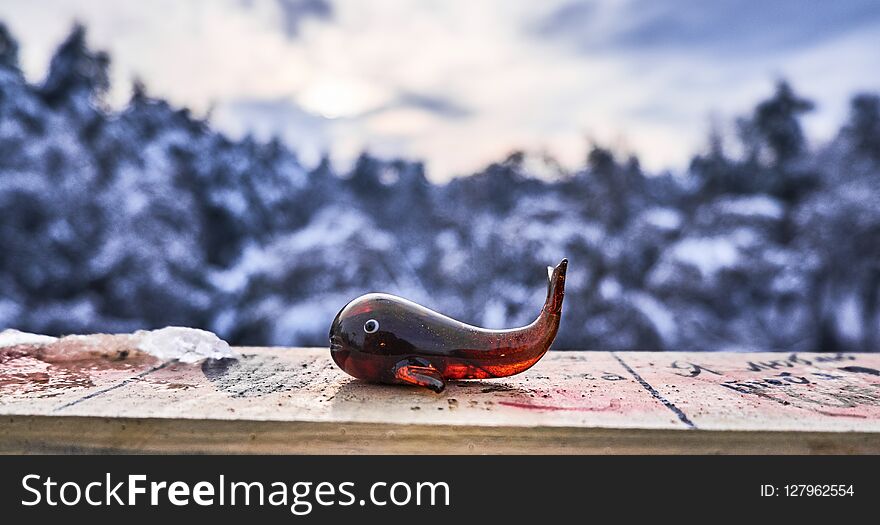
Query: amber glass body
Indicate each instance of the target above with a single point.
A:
(416, 345)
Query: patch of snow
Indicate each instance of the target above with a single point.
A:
(225, 321)
(187, 345)
(745, 238)
(230, 200)
(9, 310)
(495, 315)
(849, 318)
(253, 259)
(335, 225)
(308, 320)
(658, 314)
(663, 218)
(707, 254)
(334, 229)
(452, 256)
(12, 337)
(610, 289)
(753, 206)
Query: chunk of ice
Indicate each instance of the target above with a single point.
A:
(13, 337)
(187, 345)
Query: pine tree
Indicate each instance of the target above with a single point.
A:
(864, 124)
(77, 75)
(777, 122)
(8, 49)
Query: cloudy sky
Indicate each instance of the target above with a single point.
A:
(461, 83)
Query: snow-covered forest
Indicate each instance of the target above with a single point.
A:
(145, 217)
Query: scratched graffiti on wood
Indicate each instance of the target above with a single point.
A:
(716, 391)
(769, 391)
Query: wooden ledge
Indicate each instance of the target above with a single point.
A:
(288, 400)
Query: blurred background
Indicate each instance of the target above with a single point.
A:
(711, 169)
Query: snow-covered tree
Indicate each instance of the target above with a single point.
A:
(146, 216)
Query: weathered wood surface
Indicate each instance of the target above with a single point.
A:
(295, 400)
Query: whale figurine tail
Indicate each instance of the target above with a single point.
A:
(556, 288)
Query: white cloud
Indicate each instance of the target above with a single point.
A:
(519, 90)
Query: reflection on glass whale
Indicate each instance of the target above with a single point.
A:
(387, 339)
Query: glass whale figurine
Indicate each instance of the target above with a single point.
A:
(382, 338)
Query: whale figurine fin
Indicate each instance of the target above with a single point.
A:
(420, 373)
(555, 287)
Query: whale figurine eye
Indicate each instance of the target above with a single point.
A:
(371, 326)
